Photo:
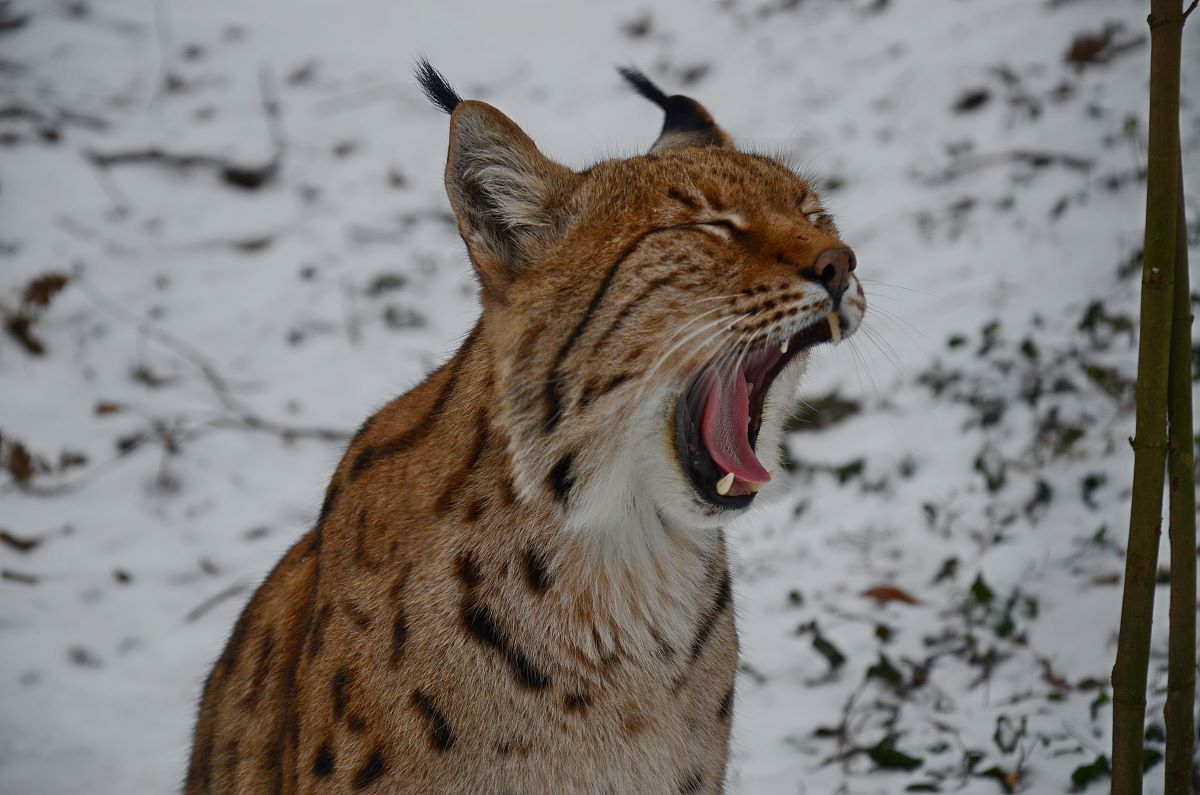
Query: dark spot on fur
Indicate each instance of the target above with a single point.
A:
(338, 686)
(560, 479)
(510, 747)
(371, 769)
(365, 458)
(475, 511)
(467, 570)
(577, 702)
(317, 638)
(480, 624)
(708, 621)
(665, 650)
(634, 724)
(454, 483)
(262, 667)
(399, 637)
(324, 761)
(331, 495)
(362, 555)
(440, 735)
(537, 573)
(360, 617)
(691, 784)
(356, 723)
(726, 707)
(397, 592)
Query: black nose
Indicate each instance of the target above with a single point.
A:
(832, 268)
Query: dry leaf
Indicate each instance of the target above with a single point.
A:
(882, 594)
(39, 291)
(20, 462)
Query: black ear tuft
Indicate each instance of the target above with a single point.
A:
(685, 121)
(435, 86)
(644, 86)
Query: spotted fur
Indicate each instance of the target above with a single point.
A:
(512, 586)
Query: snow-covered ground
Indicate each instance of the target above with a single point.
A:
(935, 607)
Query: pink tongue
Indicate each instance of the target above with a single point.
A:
(724, 422)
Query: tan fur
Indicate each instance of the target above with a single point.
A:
(494, 598)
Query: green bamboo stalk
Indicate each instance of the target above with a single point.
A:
(1149, 443)
(1179, 713)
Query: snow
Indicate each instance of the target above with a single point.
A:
(145, 558)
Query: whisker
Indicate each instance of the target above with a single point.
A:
(649, 377)
(899, 287)
(870, 375)
(889, 355)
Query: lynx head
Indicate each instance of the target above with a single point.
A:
(649, 317)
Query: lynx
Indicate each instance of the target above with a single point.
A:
(518, 582)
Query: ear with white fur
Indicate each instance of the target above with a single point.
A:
(506, 194)
(510, 200)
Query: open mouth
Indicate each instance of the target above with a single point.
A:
(719, 414)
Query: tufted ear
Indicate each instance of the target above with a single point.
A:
(687, 123)
(508, 197)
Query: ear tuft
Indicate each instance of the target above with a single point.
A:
(436, 87)
(686, 122)
(643, 86)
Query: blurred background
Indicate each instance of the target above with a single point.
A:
(224, 242)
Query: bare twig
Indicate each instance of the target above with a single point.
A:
(239, 175)
(119, 202)
(1037, 159)
(165, 40)
(242, 415)
(53, 119)
(197, 612)
(1190, 9)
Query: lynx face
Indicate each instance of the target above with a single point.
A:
(654, 337)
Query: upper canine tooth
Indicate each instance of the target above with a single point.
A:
(783, 348)
(835, 327)
(725, 484)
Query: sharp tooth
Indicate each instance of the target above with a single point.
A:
(725, 484)
(750, 387)
(783, 348)
(754, 488)
(835, 328)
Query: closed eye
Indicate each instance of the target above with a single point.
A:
(724, 227)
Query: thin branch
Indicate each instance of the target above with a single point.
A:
(242, 415)
(1190, 9)
(1149, 462)
(238, 175)
(1035, 158)
(1179, 712)
(197, 612)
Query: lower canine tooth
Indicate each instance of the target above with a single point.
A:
(835, 328)
(783, 348)
(725, 484)
(754, 488)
